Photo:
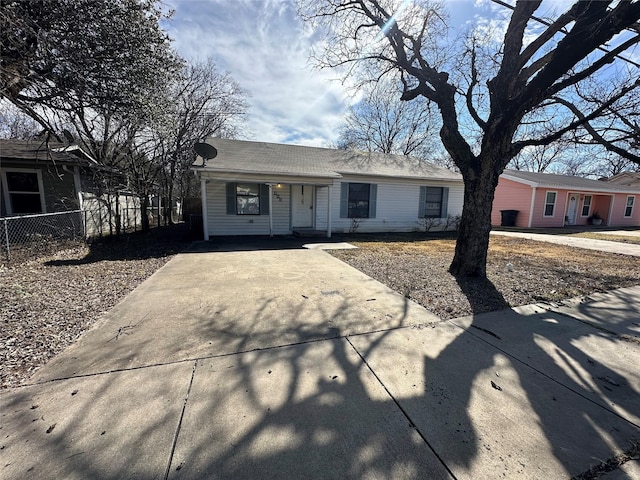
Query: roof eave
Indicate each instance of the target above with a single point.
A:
(402, 177)
(520, 180)
(199, 168)
(574, 188)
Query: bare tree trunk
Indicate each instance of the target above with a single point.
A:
(470, 257)
(170, 184)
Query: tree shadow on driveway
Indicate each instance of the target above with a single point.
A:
(521, 395)
(418, 401)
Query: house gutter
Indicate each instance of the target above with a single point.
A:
(78, 185)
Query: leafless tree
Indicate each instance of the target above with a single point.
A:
(120, 145)
(617, 129)
(537, 158)
(491, 93)
(16, 124)
(202, 103)
(381, 122)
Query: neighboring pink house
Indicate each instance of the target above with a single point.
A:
(549, 200)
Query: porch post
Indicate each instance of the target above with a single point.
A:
(270, 210)
(613, 199)
(531, 206)
(203, 194)
(328, 211)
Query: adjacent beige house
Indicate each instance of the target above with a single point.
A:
(258, 188)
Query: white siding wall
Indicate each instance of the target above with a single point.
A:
(222, 224)
(281, 202)
(321, 206)
(397, 205)
(396, 208)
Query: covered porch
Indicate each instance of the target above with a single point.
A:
(586, 208)
(250, 204)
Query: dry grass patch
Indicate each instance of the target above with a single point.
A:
(519, 272)
(48, 302)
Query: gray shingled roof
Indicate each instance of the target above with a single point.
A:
(240, 156)
(552, 180)
(39, 150)
(625, 178)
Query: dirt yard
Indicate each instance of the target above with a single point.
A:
(47, 303)
(519, 272)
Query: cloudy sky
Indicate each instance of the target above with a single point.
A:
(266, 49)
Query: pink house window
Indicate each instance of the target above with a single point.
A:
(586, 205)
(628, 210)
(550, 204)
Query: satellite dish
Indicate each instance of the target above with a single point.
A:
(206, 151)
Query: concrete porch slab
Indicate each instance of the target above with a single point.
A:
(329, 246)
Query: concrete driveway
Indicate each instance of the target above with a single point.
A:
(287, 363)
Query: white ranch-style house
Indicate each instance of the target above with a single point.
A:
(257, 188)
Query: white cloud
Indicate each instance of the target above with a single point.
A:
(265, 48)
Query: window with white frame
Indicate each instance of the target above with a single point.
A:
(358, 200)
(550, 204)
(586, 205)
(628, 209)
(247, 199)
(24, 193)
(433, 202)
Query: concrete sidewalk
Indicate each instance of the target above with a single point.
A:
(291, 364)
(578, 242)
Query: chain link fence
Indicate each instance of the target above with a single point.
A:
(24, 236)
(28, 236)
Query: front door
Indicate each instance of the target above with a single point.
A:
(572, 209)
(302, 206)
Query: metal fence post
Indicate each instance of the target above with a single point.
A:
(6, 237)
